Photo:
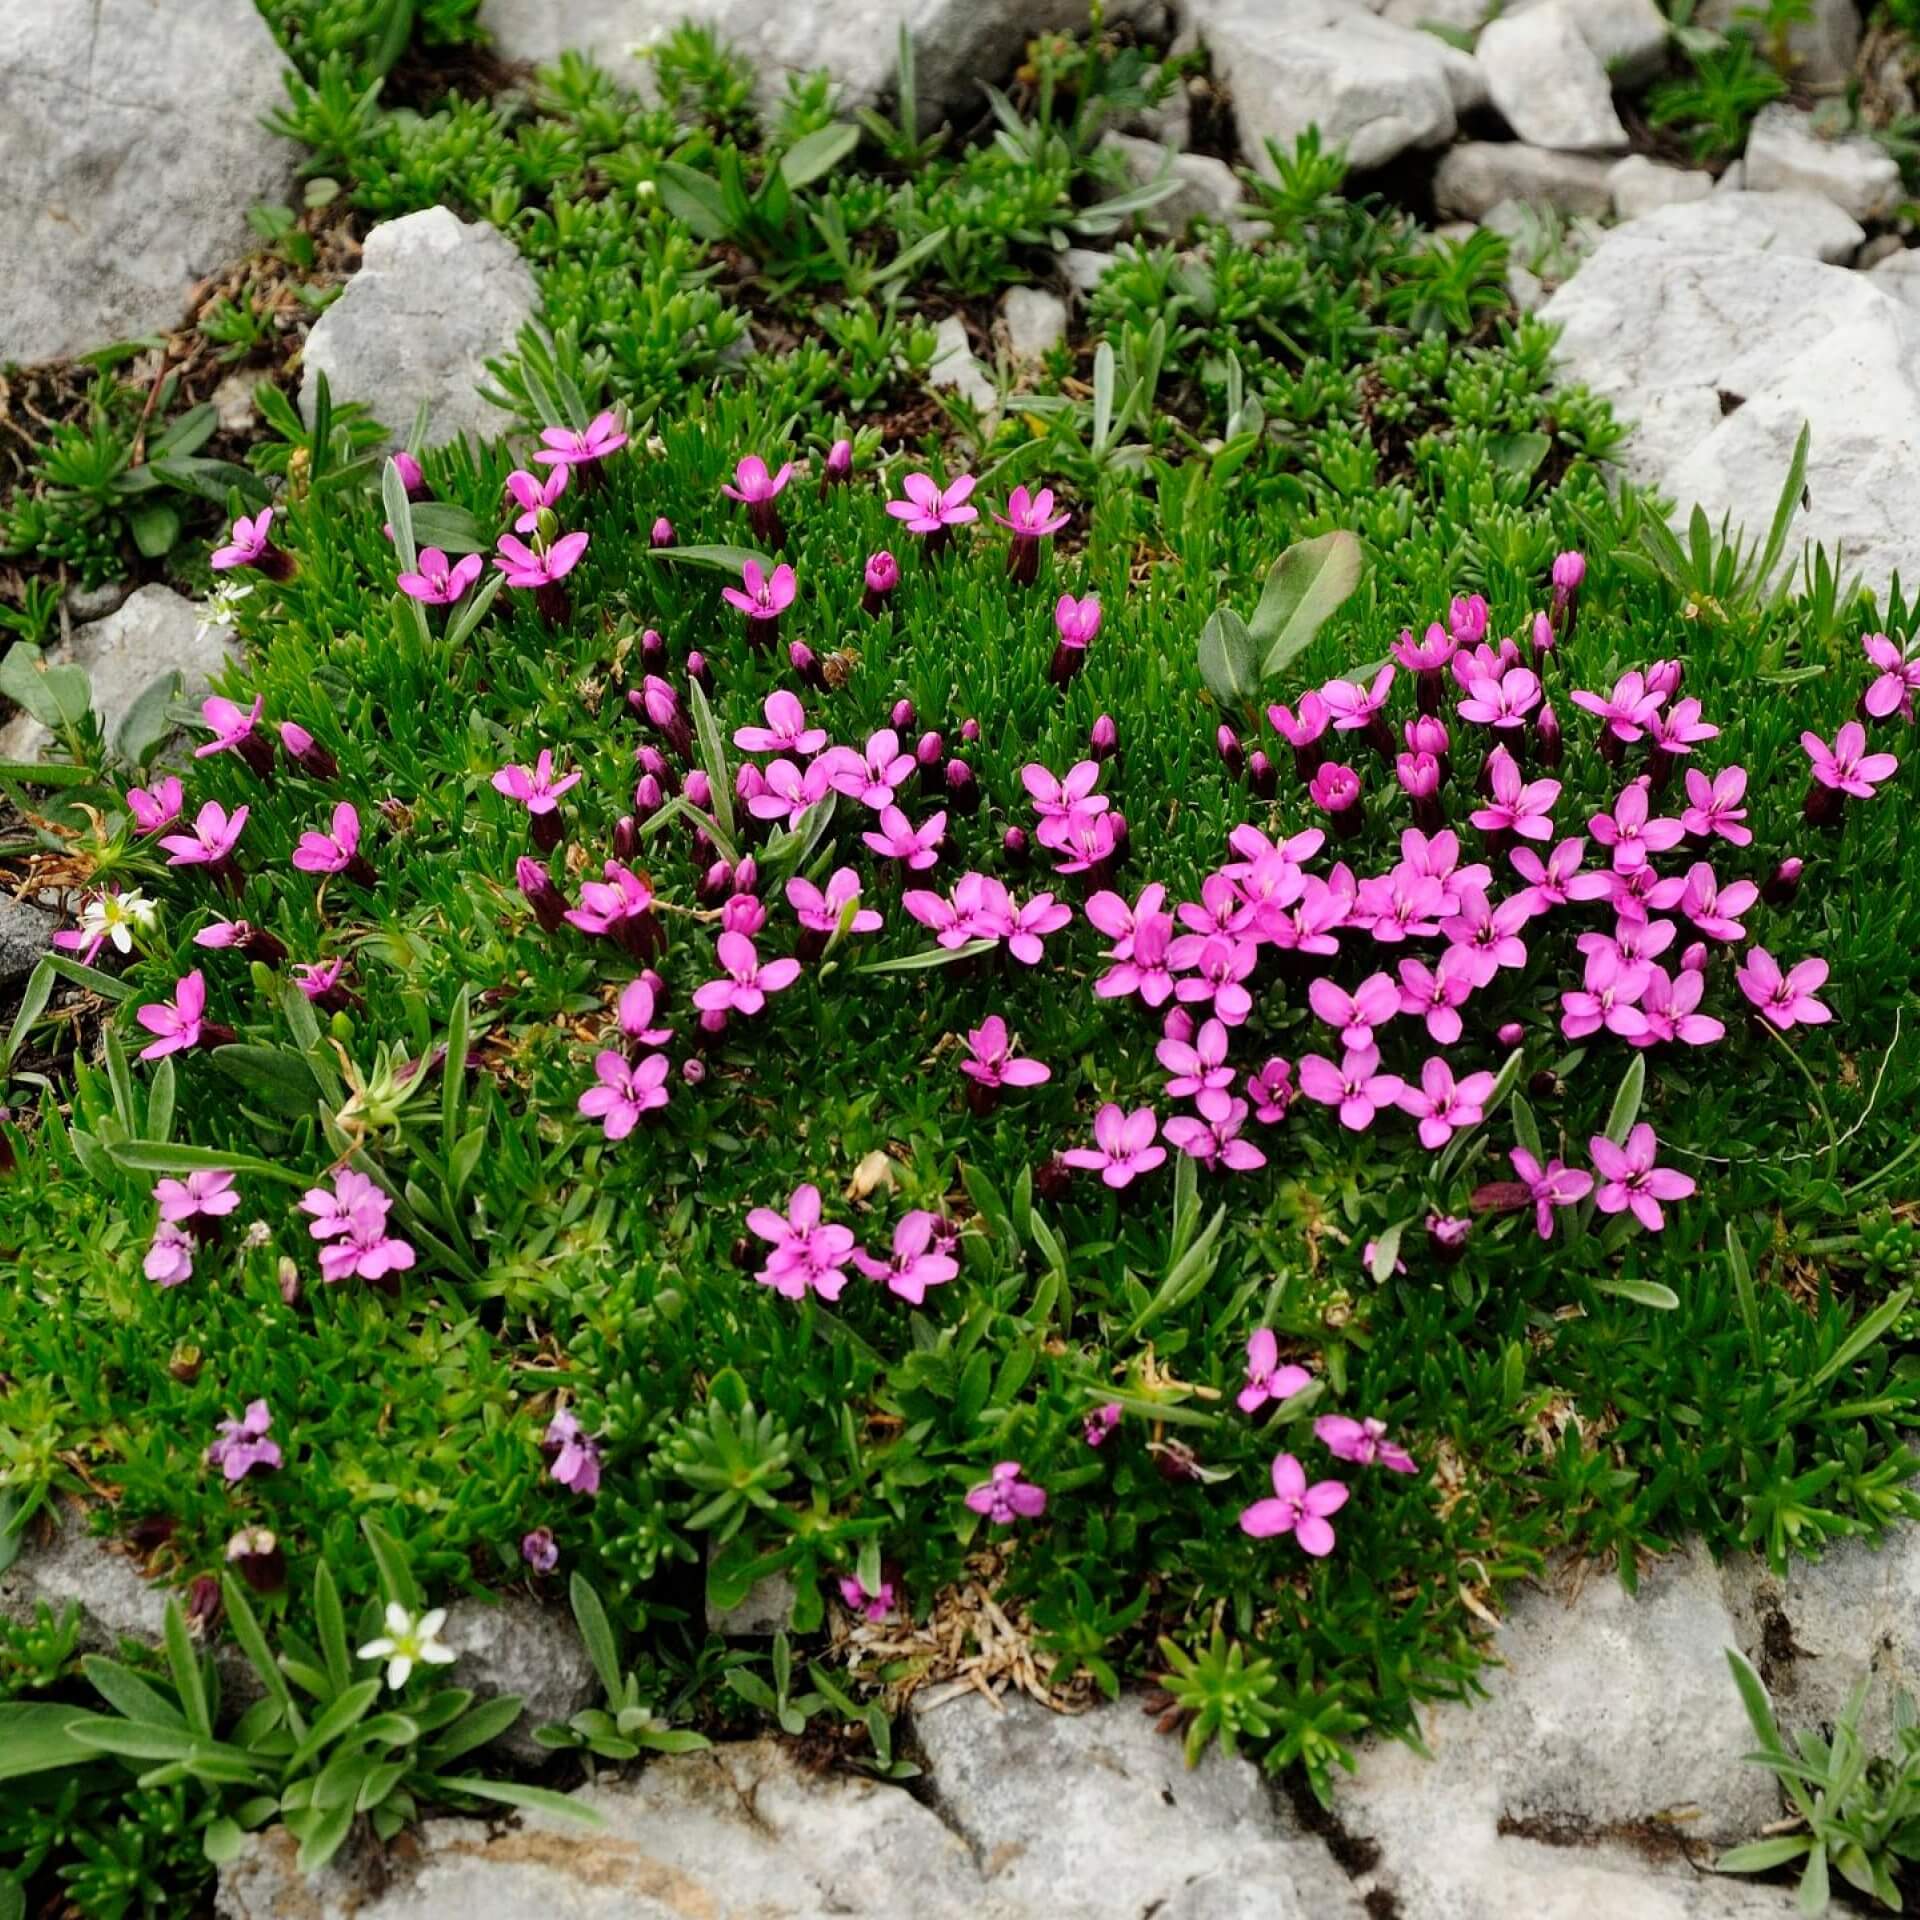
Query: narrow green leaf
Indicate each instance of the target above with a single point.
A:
(1626, 1101)
(926, 961)
(511, 1793)
(1864, 1335)
(128, 1694)
(820, 152)
(1646, 1293)
(34, 1739)
(713, 755)
(718, 558)
(596, 1633)
(188, 1681)
(396, 1575)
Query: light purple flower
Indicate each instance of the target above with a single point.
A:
(1007, 1496)
(1296, 1508)
(1669, 1005)
(570, 447)
(169, 1259)
(533, 495)
(1846, 766)
(1271, 1091)
(1354, 1016)
(438, 582)
(244, 1445)
(1552, 1186)
(1443, 1105)
(992, 1061)
(207, 1193)
(1198, 1066)
(575, 1454)
(807, 1255)
(637, 1016)
(916, 1262)
(1609, 998)
(1364, 1442)
(1213, 1138)
(898, 839)
(766, 595)
(1630, 1179)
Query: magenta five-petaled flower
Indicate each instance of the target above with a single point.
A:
(1632, 832)
(438, 581)
(1354, 1016)
(917, 1261)
(335, 851)
(871, 1607)
(211, 843)
(1896, 678)
(534, 496)
(1627, 709)
(1550, 1187)
(158, 806)
(762, 595)
(1197, 1065)
(574, 1454)
(1630, 1179)
(821, 910)
(244, 1445)
(1124, 1145)
(898, 839)
(1296, 1508)
(1267, 1379)
(808, 1255)
(572, 447)
(625, 1091)
(205, 1194)
(931, 508)
(1356, 1086)
(1784, 998)
(176, 1023)
(247, 545)
(1364, 1442)
(169, 1257)
(1515, 804)
(536, 789)
(786, 731)
(236, 729)
(1008, 1496)
(753, 485)
(537, 567)
(1713, 806)
(1444, 1105)
(991, 1061)
(1846, 766)
(1031, 515)
(1212, 1133)
(745, 979)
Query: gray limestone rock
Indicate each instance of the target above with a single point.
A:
(1478, 174)
(1548, 83)
(1786, 151)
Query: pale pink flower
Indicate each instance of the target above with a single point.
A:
(1630, 1179)
(1267, 1379)
(1296, 1508)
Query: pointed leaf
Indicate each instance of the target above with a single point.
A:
(1306, 586)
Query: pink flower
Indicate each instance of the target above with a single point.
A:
(205, 1194)
(1846, 766)
(1504, 702)
(1101, 1423)
(538, 1548)
(1715, 909)
(1554, 1185)
(532, 496)
(1271, 1091)
(1334, 788)
(1216, 968)
(1443, 1105)
(1353, 1016)
(246, 544)
(331, 852)
(439, 581)
(1354, 708)
(243, 1445)
(575, 1454)
(333, 1211)
(1679, 729)
(1031, 923)
(211, 843)
(538, 567)
(364, 1248)
(1076, 621)
(929, 508)
(619, 907)
(538, 791)
(915, 1263)
(319, 980)
(1630, 833)
(871, 1607)
(766, 595)
(1055, 799)
(175, 1023)
(807, 1255)
(1609, 998)
(1214, 1137)
(1896, 681)
(152, 809)
(745, 980)
(753, 485)
(882, 574)
(1031, 516)
(1669, 1004)
(1627, 710)
(1434, 649)
(235, 728)
(1147, 969)
(1558, 878)
(1007, 1497)
(1714, 805)
(625, 1092)
(1296, 1508)
(1120, 922)
(1631, 1180)
(1438, 993)
(169, 1259)
(1305, 728)
(1267, 1379)
(899, 839)
(992, 1062)
(786, 730)
(1364, 1442)
(1356, 1086)
(636, 1014)
(875, 774)
(1123, 1146)
(789, 792)
(1516, 805)
(1784, 1000)
(1197, 1066)
(569, 447)
(821, 912)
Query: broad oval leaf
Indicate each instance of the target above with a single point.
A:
(1305, 586)
(1229, 660)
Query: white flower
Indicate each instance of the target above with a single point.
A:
(407, 1641)
(117, 917)
(221, 609)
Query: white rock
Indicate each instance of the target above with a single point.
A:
(1629, 36)
(1525, 288)
(1642, 186)
(956, 370)
(957, 44)
(1035, 321)
(1743, 222)
(1548, 82)
(1823, 48)
(233, 403)
(155, 632)
(1455, 16)
(1206, 188)
(1856, 173)
(1899, 274)
(433, 301)
(1083, 267)
(1083, 1818)
(1733, 178)
(130, 150)
(1371, 86)
(1479, 174)
(1720, 350)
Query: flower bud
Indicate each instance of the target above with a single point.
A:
(693, 1071)
(969, 732)
(882, 576)
(1447, 1237)
(1178, 1025)
(716, 883)
(1778, 891)
(699, 789)
(699, 672)
(1694, 960)
(963, 790)
(1664, 677)
(538, 1550)
(1104, 739)
(662, 534)
(930, 751)
(306, 752)
(549, 904)
(653, 648)
(806, 663)
(1014, 844)
(1227, 744)
(1511, 1033)
(742, 913)
(407, 469)
(626, 837)
(1262, 775)
(903, 718)
(839, 465)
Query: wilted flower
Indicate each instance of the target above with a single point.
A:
(575, 1454)
(244, 1445)
(1364, 1442)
